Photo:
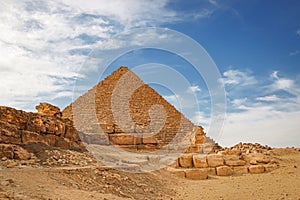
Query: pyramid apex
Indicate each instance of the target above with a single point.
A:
(123, 68)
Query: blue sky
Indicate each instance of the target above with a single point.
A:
(255, 45)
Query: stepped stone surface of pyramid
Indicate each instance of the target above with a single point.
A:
(123, 111)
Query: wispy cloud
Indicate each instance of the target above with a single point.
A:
(214, 2)
(268, 98)
(237, 103)
(193, 89)
(298, 32)
(237, 77)
(281, 83)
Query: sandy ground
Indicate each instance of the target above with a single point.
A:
(282, 183)
(102, 183)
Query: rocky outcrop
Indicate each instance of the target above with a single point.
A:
(48, 109)
(20, 128)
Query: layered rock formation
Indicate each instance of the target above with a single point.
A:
(19, 128)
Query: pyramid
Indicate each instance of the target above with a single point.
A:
(123, 111)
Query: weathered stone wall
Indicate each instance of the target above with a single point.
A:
(121, 105)
(20, 128)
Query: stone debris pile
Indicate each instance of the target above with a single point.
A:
(236, 160)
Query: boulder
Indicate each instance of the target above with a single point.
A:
(21, 154)
(6, 150)
(224, 171)
(214, 160)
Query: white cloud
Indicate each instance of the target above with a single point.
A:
(257, 120)
(298, 32)
(268, 98)
(274, 74)
(214, 2)
(129, 13)
(262, 124)
(44, 43)
(201, 119)
(236, 77)
(175, 100)
(193, 89)
(281, 83)
(238, 102)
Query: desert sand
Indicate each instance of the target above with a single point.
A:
(99, 182)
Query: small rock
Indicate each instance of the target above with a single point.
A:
(12, 164)
(4, 158)
(7, 182)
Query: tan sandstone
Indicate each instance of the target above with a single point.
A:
(196, 174)
(215, 160)
(200, 161)
(224, 171)
(255, 169)
(186, 161)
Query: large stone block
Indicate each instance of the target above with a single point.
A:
(123, 139)
(200, 161)
(186, 161)
(149, 140)
(240, 170)
(214, 160)
(224, 171)
(194, 149)
(256, 169)
(175, 164)
(233, 160)
(196, 174)
(99, 139)
(210, 171)
(177, 172)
